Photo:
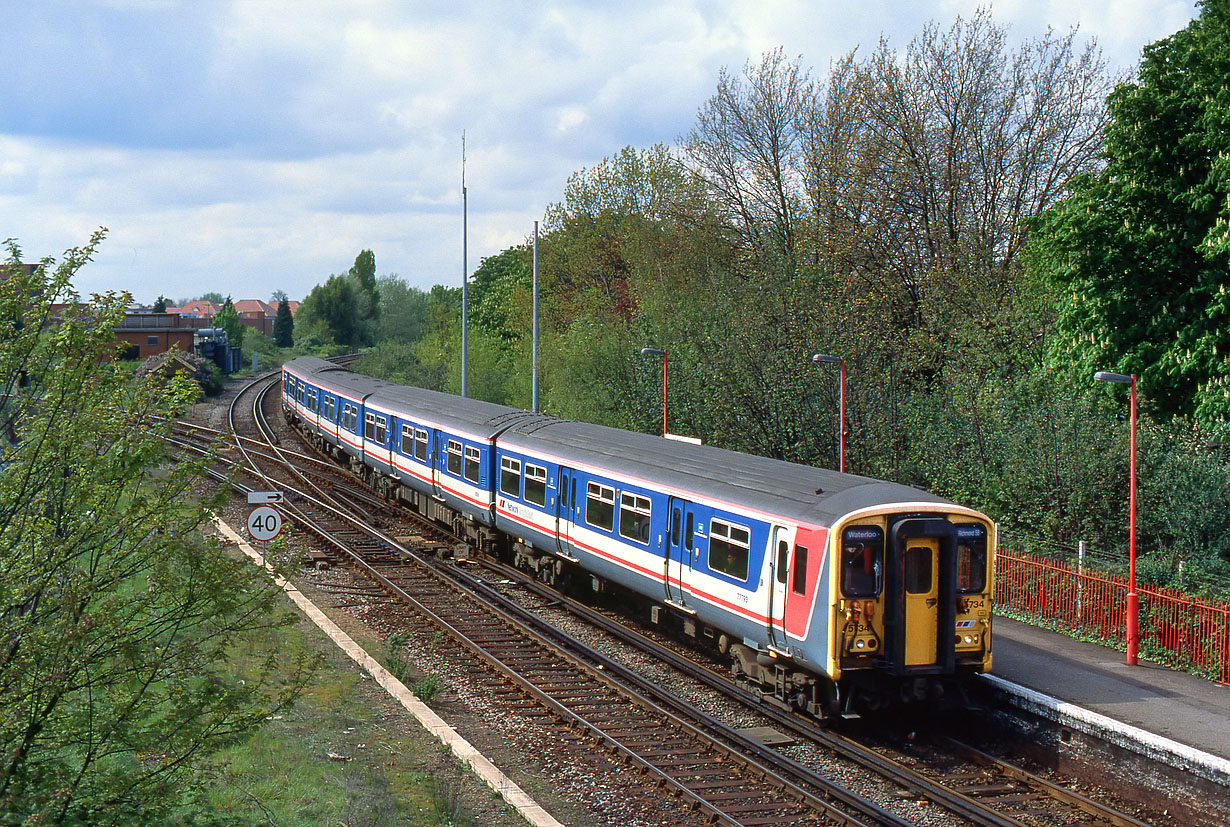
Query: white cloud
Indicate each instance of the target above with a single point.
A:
(247, 147)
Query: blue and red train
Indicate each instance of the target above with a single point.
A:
(832, 591)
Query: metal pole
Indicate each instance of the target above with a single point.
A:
(534, 360)
(841, 459)
(1133, 600)
(465, 269)
(1080, 582)
(665, 431)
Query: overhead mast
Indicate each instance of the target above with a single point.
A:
(465, 269)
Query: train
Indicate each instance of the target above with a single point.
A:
(833, 593)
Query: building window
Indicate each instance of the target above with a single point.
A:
(728, 549)
(510, 476)
(454, 457)
(472, 464)
(600, 506)
(535, 484)
(151, 340)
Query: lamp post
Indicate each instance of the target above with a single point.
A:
(1132, 602)
(653, 351)
(841, 361)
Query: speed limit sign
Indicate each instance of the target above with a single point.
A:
(264, 522)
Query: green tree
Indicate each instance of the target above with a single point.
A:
(284, 325)
(403, 310)
(212, 296)
(118, 617)
(336, 306)
(1138, 256)
(160, 305)
(228, 319)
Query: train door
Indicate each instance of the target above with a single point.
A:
(920, 565)
(922, 582)
(680, 551)
(435, 458)
(565, 510)
(779, 569)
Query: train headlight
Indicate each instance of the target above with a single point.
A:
(859, 644)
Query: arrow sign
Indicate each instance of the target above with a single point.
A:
(255, 497)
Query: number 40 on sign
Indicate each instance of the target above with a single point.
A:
(264, 523)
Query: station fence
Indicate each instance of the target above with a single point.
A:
(1175, 628)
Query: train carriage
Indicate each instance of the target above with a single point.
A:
(821, 587)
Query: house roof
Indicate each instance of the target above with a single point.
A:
(246, 306)
(199, 307)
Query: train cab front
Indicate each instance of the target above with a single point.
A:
(912, 608)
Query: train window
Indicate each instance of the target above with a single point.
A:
(600, 506)
(675, 527)
(687, 534)
(369, 426)
(800, 570)
(407, 440)
(971, 559)
(918, 570)
(783, 560)
(634, 514)
(472, 464)
(510, 476)
(535, 484)
(453, 463)
(382, 429)
(312, 398)
(302, 391)
(728, 549)
(862, 561)
(420, 445)
(563, 490)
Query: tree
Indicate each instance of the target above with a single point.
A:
(403, 310)
(363, 274)
(118, 617)
(1138, 254)
(228, 319)
(214, 297)
(278, 296)
(160, 305)
(284, 325)
(337, 306)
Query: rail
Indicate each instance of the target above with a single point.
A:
(1175, 628)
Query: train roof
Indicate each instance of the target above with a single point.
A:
(311, 365)
(814, 495)
(473, 416)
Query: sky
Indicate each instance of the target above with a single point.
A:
(252, 146)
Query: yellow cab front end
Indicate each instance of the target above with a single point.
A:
(911, 601)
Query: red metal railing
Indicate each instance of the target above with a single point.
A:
(1175, 628)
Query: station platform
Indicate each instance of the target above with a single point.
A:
(1148, 707)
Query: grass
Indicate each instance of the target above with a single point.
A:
(333, 759)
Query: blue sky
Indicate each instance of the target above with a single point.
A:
(258, 145)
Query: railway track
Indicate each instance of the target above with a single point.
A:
(719, 774)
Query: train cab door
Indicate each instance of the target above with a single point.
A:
(923, 551)
(920, 564)
(565, 510)
(779, 569)
(680, 551)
